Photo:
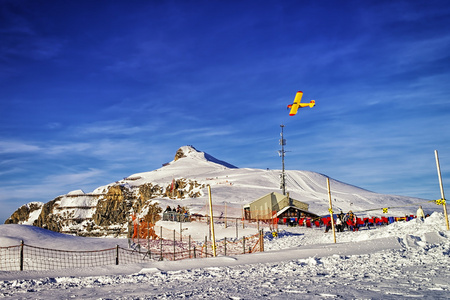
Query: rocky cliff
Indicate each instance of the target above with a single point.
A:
(108, 210)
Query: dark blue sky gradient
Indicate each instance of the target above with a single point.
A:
(93, 91)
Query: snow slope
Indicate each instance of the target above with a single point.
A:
(234, 187)
(402, 260)
(239, 186)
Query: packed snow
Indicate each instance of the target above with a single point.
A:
(400, 260)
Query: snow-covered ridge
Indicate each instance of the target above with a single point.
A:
(189, 152)
(184, 182)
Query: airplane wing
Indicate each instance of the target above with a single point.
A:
(294, 107)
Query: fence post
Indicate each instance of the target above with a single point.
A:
(237, 234)
(225, 246)
(21, 255)
(261, 241)
(161, 243)
(195, 256)
(174, 244)
(117, 255)
(243, 243)
(138, 232)
(190, 246)
(206, 246)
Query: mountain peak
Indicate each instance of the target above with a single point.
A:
(190, 152)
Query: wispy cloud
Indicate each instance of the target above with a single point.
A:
(18, 147)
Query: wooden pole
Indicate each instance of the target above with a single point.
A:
(212, 222)
(21, 255)
(331, 210)
(444, 206)
(261, 240)
(225, 246)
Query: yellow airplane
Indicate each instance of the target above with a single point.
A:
(294, 106)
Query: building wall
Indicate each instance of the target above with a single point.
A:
(262, 208)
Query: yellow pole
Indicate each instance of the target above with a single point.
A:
(213, 237)
(331, 210)
(442, 188)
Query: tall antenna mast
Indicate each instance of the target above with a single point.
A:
(281, 153)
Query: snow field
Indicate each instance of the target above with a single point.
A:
(398, 261)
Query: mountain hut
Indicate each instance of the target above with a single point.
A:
(275, 205)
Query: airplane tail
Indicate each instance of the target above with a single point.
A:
(312, 103)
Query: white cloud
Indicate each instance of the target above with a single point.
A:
(17, 147)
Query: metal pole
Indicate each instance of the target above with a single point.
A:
(212, 222)
(444, 206)
(331, 210)
(283, 177)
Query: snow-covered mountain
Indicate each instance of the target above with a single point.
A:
(184, 182)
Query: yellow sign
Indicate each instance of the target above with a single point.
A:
(440, 201)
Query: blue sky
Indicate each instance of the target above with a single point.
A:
(93, 91)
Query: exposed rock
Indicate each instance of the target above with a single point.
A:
(115, 208)
(22, 214)
(183, 188)
(47, 219)
(179, 154)
(148, 191)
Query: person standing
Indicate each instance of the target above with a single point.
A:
(339, 224)
(420, 214)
